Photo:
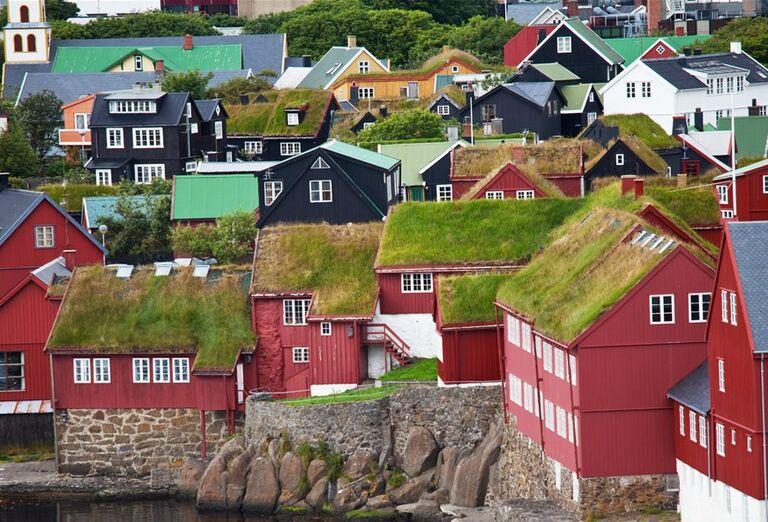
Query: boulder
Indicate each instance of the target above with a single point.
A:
(359, 464)
(349, 499)
(440, 496)
(273, 450)
(316, 470)
(447, 461)
(237, 478)
(378, 486)
(263, 487)
(421, 510)
(420, 451)
(378, 503)
(189, 477)
(387, 444)
(470, 483)
(318, 495)
(291, 472)
(212, 493)
(412, 490)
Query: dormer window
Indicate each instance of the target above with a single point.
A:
(132, 106)
(363, 66)
(293, 118)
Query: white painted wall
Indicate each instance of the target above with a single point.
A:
(317, 390)
(418, 331)
(378, 362)
(705, 500)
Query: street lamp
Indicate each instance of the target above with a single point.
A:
(103, 229)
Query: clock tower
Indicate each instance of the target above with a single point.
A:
(27, 35)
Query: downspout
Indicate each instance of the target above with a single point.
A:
(710, 447)
(762, 435)
(500, 348)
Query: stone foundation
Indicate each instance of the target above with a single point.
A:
(133, 442)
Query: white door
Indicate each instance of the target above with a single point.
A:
(240, 384)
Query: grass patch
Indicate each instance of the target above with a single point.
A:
(643, 127)
(696, 206)
(371, 514)
(269, 118)
(396, 479)
(334, 262)
(418, 370)
(469, 298)
(488, 231)
(147, 314)
(365, 394)
(32, 453)
(432, 64)
(71, 195)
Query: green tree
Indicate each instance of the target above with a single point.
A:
(193, 82)
(60, 9)
(139, 228)
(156, 188)
(153, 23)
(443, 11)
(235, 233)
(415, 123)
(484, 37)
(40, 117)
(16, 154)
(751, 32)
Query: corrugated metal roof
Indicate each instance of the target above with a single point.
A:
(169, 112)
(554, 71)
(414, 157)
(633, 48)
(51, 270)
(329, 67)
(97, 208)
(366, 156)
(693, 390)
(751, 134)
(18, 407)
(525, 12)
(575, 96)
(535, 92)
(589, 36)
(15, 205)
(750, 249)
(210, 197)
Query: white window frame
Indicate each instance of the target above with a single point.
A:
(290, 148)
(81, 370)
(726, 214)
(138, 62)
(292, 119)
(525, 333)
(321, 191)
(765, 184)
(525, 194)
(619, 160)
(721, 375)
(692, 424)
(272, 189)
(662, 305)
(190, 166)
(681, 415)
(645, 89)
(253, 147)
(295, 311)
(181, 369)
(733, 437)
(161, 370)
(528, 397)
(559, 363)
(416, 283)
(698, 309)
(366, 93)
(722, 193)
(724, 305)
(494, 194)
(548, 357)
(326, 329)
(702, 431)
(564, 45)
(300, 354)
(85, 118)
(104, 177)
(141, 370)
(560, 422)
(591, 117)
(101, 371)
(720, 439)
(454, 69)
(513, 330)
(443, 110)
(147, 137)
(153, 170)
(549, 415)
(194, 128)
(45, 236)
(218, 129)
(749, 444)
(444, 192)
(732, 296)
(572, 368)
(363, 66)
(115, 138)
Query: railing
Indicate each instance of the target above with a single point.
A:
(380, 333)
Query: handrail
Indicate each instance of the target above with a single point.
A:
(382, 329)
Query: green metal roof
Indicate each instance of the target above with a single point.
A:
(329, 67)
(97, 208)
(593, 39)
(210, 197)
(100, 59)
(575, 96)
(751, 134)
(360, 154)
(633, 48)
(555, 72)
(414, 157)
(442, 81)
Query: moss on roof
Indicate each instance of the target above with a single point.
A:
(456, 94)
(150, 314)
(432, 64)
(469, 298)
(269, 118)
(694, 205)
(469, 232)
(333, 262)
(643, 127)
(529, 172)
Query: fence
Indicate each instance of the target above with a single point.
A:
(24, 430)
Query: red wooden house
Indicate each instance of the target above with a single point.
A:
(313, 300)
(588, 356)
(720, 409)
(511, 182)
(751, 198)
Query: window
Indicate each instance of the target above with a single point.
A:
(537, 401)
(325, 329)
(525, 194)
(513, 330)
(454, 69)
(562, 429)
(563, 44)
(443, 110)
(180, 369)
(365, 93)
(363, 66)
(660, 49)
(82, 369)
(528, 397)
(132, 106)
(725, 113)
(526, 337)
(662, 309)
(320, 191)
(749, 444)
(295, 311)
(190, 166)
(720, 441)
(11, 371)
(114, 138)
(161, 371)
(138, 62)
(710, 85)
(253, 147)
(368, 124)
(194, 128)
(300, 354)
(726, 214)
(558, 476)
(681, 414)
(18, 43)
(570, 427)
(549, 415)
(559, 363)
(721, 375)
(416, 283)
(488, 112)
(729, 84)
(765, 184)
(101, 372)
(144, 174)
(293, 118)
(103, 177)
(619, 159)
(739, 83)
(591, 117)
(591, 96)
(218, 128)
(733, 308)
(44, 236)
(718, 86)
(140, 370)
(537, 347)
(272, 189)
(724, 305)
(572, 368)
(494, 194)
(722, 194)
(320, 164)
(290, 148)
(698, 307)
(702, 431)
(444, 193)
(733, 437)
(82, 121)
(645, 89)
(515, 390)
(630, 89)
(24, 14)
(151, 138)
(575, 493)
(547, 357)
(692, 425)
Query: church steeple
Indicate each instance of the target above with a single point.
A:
(27, 35)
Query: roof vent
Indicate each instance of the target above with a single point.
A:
(164, 268)
(121, 271)
(201, 271)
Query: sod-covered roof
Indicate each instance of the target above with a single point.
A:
(694, 205)
(269, 118)
(157, 314)
(528, 172)
(643, 127)
(470, 232)
(583, 273)
(468, 298)
(432, 64)
(333, 262)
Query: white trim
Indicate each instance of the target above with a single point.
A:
(661, 309)
(300, 354)
(550, 35)
(101, 370)
(143, 365)
(158, 365)
(426, 283)
(460, 143)
(326, 329)
(108, 178)
(590, 90)
(320, 190)
(149, 132)
(85, 370)
(183, 369)
(340, 70)
(700, 295)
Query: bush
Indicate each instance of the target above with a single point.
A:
(227, 241)
(71, 195)
(416, 123)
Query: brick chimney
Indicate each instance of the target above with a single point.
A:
(69, 258)
(682, 180)
(351, 41)
(189, 43)
(160, 66)
(654, 10)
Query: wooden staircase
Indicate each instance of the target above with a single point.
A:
(379, 333)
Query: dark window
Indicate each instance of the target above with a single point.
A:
(11, 371)
(691, 168)
(24, 14)
(31, 44)
(18, 46)
(488, 112)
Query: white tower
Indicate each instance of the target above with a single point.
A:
(27, 35)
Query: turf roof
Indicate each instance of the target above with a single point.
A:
(470, 232)
(528, 172)
(469, 298)
(150, 314)
(269, 118)
(643, 127)
(333, 262)
(429, 66)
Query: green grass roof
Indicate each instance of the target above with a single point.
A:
(210, 197)
(469, 298)
(633, 48)
(430, 65)
(694, 205)
(150, 314)
(269, 118)
(468, 232)
(643, 151)
(334, 262)
(99, 59)
(643, 127)
(581, 274)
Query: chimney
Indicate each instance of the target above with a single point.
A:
(627, 184)
(354, 95)
(698, 119)
(351, 41)
(69, 258)
(5, 181)
(688, 51)
(653, 8)
(189, 44)
(470, 96)
(679, 125)
(682, 180)
(639, 185)
(137, 87)
(446, 48)
(306, 60)
(160, 66)
(736, 47)
(383, 111)
(697, 51)
(572, 9)
(542, 34)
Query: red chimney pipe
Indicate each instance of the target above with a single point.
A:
(188, 42)
(639, 186)
(160, 66)
(69, 259)
(627, 184)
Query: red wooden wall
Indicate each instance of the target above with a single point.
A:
(509, 180)
(690, 452)
(393, 301)
(652, 53)
(336, 359)
(469, 356)
(569, 184)
(461, 186)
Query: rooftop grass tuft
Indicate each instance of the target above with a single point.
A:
(643, 127)
(269, 118)
(469, 298)
(418, 370)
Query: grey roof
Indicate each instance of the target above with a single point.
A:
(674, 69)
(347, 106)
(749, 240)
(49, 272)
(535, 92)
(206, 108)
(71, 86)
(524, 12)
(169, 112)
(260, 52)
(329, 67)
(693, 390)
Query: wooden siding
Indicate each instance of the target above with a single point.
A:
(509, 180)
(438, 174)
(525, 41)
(271, 145)
(571, 184)
(336, 359)
(652, 52)
(690, 452)
(517, 114)
(461, 186)
(573, 124)
(607, 167)
(469, 356)
(393, 301)
(751, 200)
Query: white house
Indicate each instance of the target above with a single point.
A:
(703, 88)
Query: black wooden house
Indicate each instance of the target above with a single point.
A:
(447, 105)
(624, 156)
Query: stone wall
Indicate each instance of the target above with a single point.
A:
(133, 442)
